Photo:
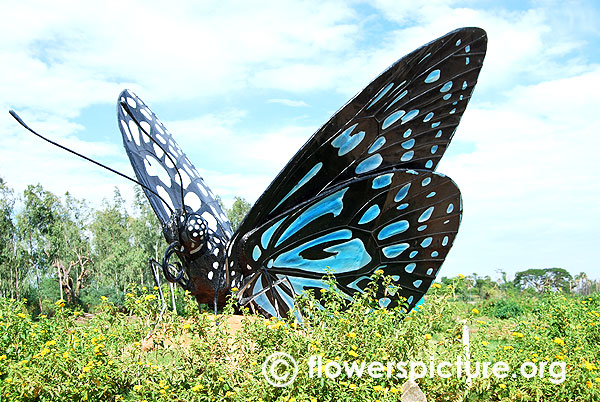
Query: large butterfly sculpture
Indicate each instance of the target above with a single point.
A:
(361, 195)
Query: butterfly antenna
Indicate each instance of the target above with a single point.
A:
(125, 106)
(21, 122)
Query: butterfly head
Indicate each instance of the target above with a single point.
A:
(193, 235)
(189, 230)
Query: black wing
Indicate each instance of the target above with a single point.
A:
(405, 118)
(400, 221)
(160, 164)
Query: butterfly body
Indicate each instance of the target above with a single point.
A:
(360, 196)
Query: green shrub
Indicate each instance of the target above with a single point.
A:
(506, 308)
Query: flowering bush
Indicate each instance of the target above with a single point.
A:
(109, 356)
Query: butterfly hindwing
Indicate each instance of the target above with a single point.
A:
(400, 221)
(155, 162)
(405, 118)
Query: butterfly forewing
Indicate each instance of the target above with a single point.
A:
(161, 165)
(400, 221)
(405, 118)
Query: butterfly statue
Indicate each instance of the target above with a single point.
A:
(360, 196)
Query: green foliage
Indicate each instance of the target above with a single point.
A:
(505, 308)
(238, 212)
(109, 356)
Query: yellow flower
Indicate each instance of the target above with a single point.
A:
(517, 334)
(485, 343)
(377, 334)
(234, 289)
(22, 315)
(379, 272)
(351, 335)
(129, 295)
(481, 322)
(353, 353)
(51, 343)
(461, 276)
(352, 386)
(323, 290)
(155, 287)
(313, 399)
(559, 341)
(150, 297)
(65, 355)
(162, 392)
(475, 311)
(186, 326)
(508, 347)
(3, 357)
(427, 336)
(103, 298)
(377, 388)
(87, 369)
(394, 390)
(8, 380)
(589, 384)
(436, 285)
(197, 387)
(503, 386)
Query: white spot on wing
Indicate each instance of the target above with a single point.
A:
(135, 133)
(193, 201)
(185, 178)
(157, 151)
(154, 168)
(210, 220)
(165, 196)
(146, 127)
(126, 130)
(131, 102)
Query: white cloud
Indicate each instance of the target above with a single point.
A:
(289, 102)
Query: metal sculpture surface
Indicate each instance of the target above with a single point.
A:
(361, 195)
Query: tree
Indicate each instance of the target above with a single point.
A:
(147, 235)
(9, 275)
(555, 279)
(238, 212)
(71, 252)
(34, 228)
(115, 256)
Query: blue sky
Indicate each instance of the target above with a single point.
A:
(242, 85)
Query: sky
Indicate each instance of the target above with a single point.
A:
(243, 84)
